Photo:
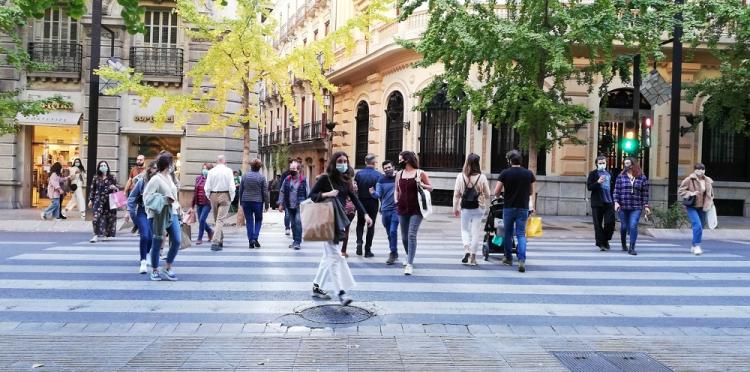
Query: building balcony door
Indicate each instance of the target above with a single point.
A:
(394, 138)
(362, 129)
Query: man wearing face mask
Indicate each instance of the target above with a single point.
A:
(602, 203)
(366, 179)
(383, 191)
(293, 191)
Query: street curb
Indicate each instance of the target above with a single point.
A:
(734, 234)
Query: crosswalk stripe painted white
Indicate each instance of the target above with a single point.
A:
(638, 261)
(26, 242)
(484, 270)
(402, 287)
(385, 307)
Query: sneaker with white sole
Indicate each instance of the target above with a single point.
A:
(44, 216)
(154, 276)
(697, 250)
(344, 299)
(94, 239)
(144, 267)
(168, 274)
(319, 293)
(408, 269)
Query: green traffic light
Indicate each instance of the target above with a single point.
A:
(629, 145)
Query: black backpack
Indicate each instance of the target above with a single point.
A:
(470, 197)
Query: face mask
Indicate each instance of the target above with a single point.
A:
(700, 172)
(601, 167)
(402, 164)
(342, 168)
(627, 167)
(389, 173)
(171, 169)
(139, 163)
(103, 169)
(293, 173)
(205, 172)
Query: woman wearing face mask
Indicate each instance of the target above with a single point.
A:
(631, 199)
(137, 211)
(336, 183)
(105, 219)
(407, 206)
(698, 190)
(201, 204)
(77, 178)
(163, 209)
(471, 197)
(54, 191)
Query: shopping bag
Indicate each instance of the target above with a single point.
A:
(497, 240)
(189, 217)
(711, 219)
(534, 227)
(185, 238)
(318, 220)
(127, 225)
(424, 198)
(117, 200)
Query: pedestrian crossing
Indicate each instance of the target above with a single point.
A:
(568, 282)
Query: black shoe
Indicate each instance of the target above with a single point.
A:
(391, 259)
(252, 244)
(359, 249)
(221, 244)
(631, 250)
(257, 245)
(345, 300)
(215, 247)
(319, 293)
(507, 262)
(296, 247)
(369, 254)
(134, 230)
(624, 245)
(521, 267)
(601, 247)
(606, 246)
(466, 258)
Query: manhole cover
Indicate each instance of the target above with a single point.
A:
(336, 314)
(589, 361)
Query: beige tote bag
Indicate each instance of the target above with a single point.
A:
(318, 221)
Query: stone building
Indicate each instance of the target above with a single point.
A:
(164, 53)
(373, 112)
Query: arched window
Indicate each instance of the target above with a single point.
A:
(394, 116)
(442, 144)
(362, 129)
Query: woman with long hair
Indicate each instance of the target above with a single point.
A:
(408, 181)
(351, 212)
(137, 211)
(698, 188)
(336, 183)
(54, 192)
(163, 209)
(77, 178)
(471, 197)
(105, 218)
(202, 205)
(631, 199)
(254, 201)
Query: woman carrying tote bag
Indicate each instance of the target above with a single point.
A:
(335, 185)
(411, 184)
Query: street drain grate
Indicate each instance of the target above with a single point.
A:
(591, 361)
(336, 314)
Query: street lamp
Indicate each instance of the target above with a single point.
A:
(330, 124)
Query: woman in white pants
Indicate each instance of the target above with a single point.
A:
(471, 195)
(78, 178)
(336, 183)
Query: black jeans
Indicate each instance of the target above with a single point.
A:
(371, 206)
(604, 223)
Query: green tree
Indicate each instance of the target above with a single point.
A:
(241, 58)
(523, 51)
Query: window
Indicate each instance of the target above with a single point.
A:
(726, 155)
(55, 42)
(443, 136)
(394, 126)
(362, 119)
(161, 28)
(56, 27)
(325, 28)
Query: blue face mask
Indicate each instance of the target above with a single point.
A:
(205, 172)
(103, 169)
(342, 168)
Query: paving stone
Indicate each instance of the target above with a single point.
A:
(501, 329)
(186, 328)
(612, 331)
(7, 326)
(253, 328)
(587, 330)
(543, 330)
(345, 331)
(368, 330)
(391, 329)
(29, 327)
(97, 327)
(661, 331)
(73, 327)
(630, 331)
(522, 330)
(435, 329)
(208, 329)
(737, 331)
(119, 327)
(164, 328)
(141, 328)
(565, 330)
(479, 329)
(275, 328)
(456, 329)
(231, 328)
(413, 329)
(321, 331)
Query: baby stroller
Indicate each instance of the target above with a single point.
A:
(493, 230)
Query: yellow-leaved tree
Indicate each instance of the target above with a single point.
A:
(240, 58)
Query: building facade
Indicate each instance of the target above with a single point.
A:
(373, 110)
(164, 53)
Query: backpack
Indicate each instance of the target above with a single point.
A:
(470, 197)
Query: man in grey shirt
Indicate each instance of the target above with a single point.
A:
(293, 191)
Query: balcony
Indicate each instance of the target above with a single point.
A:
(285, 138)
(296, 134)
(62, 60)
(159, 65)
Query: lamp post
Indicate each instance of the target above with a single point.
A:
(330, 124)
(674, 120)
(93, 122)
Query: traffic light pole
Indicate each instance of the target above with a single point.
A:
(637, 108)
(674, 119)
(93, 122)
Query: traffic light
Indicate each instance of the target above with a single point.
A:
(629, 144)
(646, 137)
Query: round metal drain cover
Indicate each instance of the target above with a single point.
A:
(336, 314)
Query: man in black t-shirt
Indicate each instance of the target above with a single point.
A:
(517, 185)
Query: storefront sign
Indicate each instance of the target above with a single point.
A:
(58, 106)
(150, 119)
(53, 118)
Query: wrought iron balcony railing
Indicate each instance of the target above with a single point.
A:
(157, 62)
(306, 132)
(58, 56)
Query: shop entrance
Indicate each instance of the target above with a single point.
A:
(51, 144)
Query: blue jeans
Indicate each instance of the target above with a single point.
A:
(53, 209)
(175, 235)
(409, 229)
(390, 222)
(140, 219)
(253, 218)
(515, 219)
(698, 219)
(629, 224)
(296, 224)
(286, 219)
(203, 211)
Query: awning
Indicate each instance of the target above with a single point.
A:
(53, 118)
(167, 130)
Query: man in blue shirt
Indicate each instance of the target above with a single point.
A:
(602, 203)
(384, 192)
(293, 191)
(366, 179)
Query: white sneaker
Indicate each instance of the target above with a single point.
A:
(83, 215)
(288, 232)
(144, 267)
(408, 269)
(44, 217)
(404, 263)
(697, 250)
(94, 239)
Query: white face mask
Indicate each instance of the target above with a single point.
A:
(601, 167)
(700, 172)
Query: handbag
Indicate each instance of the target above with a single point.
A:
(189, 217)
(689, 201)
(73, 186)
(117, 200)
(534, 227)
(424, 198)
(318, 220)
(711, 218)
(185, 236)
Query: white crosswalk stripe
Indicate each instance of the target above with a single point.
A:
(567, 279)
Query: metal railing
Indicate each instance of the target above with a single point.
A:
(286, 136)
(162, 62)
(306, 131)
(57, 56)
(317, 130)
(296, 134)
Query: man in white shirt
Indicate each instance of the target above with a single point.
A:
(220, 192)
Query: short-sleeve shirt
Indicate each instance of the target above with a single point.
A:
(517, 187)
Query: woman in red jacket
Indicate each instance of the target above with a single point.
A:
(201, 204)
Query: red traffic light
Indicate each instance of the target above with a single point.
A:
(646, 122)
